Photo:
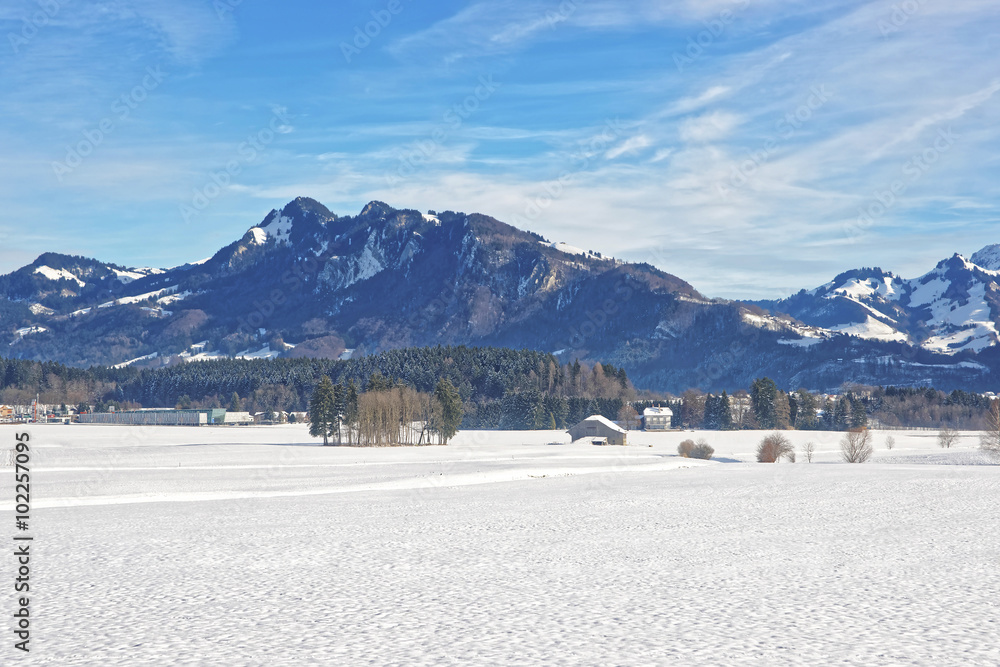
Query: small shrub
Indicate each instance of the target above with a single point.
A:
(809, 449)
(773, 447)
(702, 450)
(890, 442)
(685, 448)
(856, 445)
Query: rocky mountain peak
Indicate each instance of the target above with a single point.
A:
(376, 210)
(987, 257)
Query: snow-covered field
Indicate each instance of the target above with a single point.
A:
(255, 546)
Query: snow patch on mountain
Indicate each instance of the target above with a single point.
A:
(871, 329)
(145, 357)
(138, 298)
(58, 274)
(173, 298)
(278, 227)
(341, 272)
(259, 236)
(888, 288)
(368, 265)
(927, 293)
(264, 353)
(125, 277)
(962, 326)
(25, 331)
(39, 309)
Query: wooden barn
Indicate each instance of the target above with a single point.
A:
(599, 430)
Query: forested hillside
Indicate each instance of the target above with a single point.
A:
(499, 387)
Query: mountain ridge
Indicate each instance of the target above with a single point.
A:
(386, 278)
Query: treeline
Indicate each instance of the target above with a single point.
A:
(498, 387)
(765, 406)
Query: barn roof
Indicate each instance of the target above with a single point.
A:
(607, 422)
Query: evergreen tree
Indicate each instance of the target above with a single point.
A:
(451, 410)
(763, 394)
(859, 416)
(322, 414)
(782, 411)
(234, 403)
(842, 414)
(711, 412)
(725, 413)
(377, 383)
(805, 414)
(350, 408)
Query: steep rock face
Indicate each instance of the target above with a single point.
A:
(389, 278)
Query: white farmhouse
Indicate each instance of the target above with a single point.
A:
(657, 419)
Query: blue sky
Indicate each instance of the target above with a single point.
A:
(751, 147)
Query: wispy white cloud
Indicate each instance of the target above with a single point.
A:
(708, 127)
(629, 146)
(956, 110)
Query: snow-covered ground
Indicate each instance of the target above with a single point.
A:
(256, 546)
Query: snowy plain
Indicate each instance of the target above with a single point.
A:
(257, 546)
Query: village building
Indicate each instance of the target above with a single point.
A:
(657, 419)
(237, 418)
(156, 417)
(599, 430)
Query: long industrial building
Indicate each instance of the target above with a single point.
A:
(157, 417)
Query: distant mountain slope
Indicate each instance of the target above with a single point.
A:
(953, 308)
(389, 278)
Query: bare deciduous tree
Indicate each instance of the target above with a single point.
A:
(989, 440)
(890, 442)
(947, 437)
(773, 447)
(809, 449)
(856, 445)
(628, 417)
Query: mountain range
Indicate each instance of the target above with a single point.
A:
(307, 282)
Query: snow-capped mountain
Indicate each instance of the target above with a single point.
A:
(307, 282)
(988, 257)
(953, 308)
